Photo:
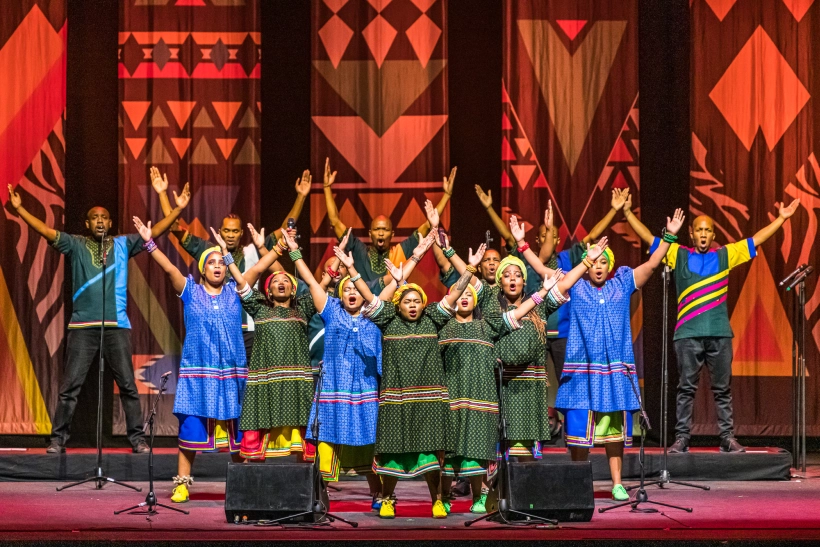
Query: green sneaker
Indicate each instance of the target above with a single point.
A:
(447, 506)
(479, 505)
(619, 493)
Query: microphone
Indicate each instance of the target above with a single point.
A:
(791, 276)
(292, 226)
(103, 248)
(800, 277)
(167, 374)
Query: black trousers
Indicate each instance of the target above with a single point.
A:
(557, 348)
(82, 346)
(248, 340)
(716, 354)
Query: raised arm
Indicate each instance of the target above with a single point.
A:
(302, 191)
(318, 293)
(530, 303)
(160, 184)
(518, 232)
(643, 272)
(785, 213)
(181, 201)
(424, 229)
(548, 248)
(241, 283)
(466, 276)
(618, 200)
(361, 286)
(36, 224)
(178, 280)
(637, 226)
(253, 273)
(571, 277)
(486, 200)
(339, 227)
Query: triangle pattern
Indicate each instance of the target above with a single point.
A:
(540, 182)
(759, 348)
(335, 36)
(523, 146)
(379, 35)
(181, 145)
(505, 180)
(380, 204)
(505, 123)
(248, 119)
(181, 110)
(523, 173)
(423, 35)
(202, 154)
(226, 146)
(190, 3)
(226, 110)
(571, 27)
(248, 155)
(413, 217)
(721, 7)
(136, 111)
(135, 144)
(348, 215)
(318, 210)
(203, 120)
(507, 153)
(620, 153)
(159, 154)
(122, 159)
(158, 119)
(798, 7)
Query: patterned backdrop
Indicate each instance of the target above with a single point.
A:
(570, 120)
(190, 104)
(379, 111)
(32, 159)
(754, 68)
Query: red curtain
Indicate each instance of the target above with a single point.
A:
(379, 111)
(753, 73)
(32, 159)
(190, 104)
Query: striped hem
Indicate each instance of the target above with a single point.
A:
(413, 394)
(473, 404)
(465, 341)
(92, 324)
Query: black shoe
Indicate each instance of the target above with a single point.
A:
(730, 444)
(460, 488)
(54, 447)
(680, 446)
(141, 448)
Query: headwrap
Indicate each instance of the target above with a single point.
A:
(472, 292)
(610, 258)
(274, 274)
(510, 260)
(409, 287)
(341, 286)
(204, 256)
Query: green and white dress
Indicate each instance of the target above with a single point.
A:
(413, 403)
(279, 391)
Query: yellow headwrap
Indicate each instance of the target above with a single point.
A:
(274, 274)
(409, 287)
(472, 292)
(510, 260)
(341, 286)
(610, 258)
(204, 256)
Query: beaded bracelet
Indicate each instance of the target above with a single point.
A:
(150, 245)
(669, 237)
(244, 291)
(449, 252)
(523, 247)
(355, 278)
(536, 298)
(333, 273)
(227, 259)
(471, 269)
(295, 255)
(415, 259)
(587, 262)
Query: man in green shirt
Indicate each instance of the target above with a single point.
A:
(86, 254)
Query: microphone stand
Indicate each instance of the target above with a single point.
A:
(151, 498)
(665, 477)
(502, 485)
(100, 478)
(798, 279)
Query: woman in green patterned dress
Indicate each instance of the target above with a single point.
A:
(413, 405)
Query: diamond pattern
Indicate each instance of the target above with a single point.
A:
(335, 5)
(423, 5)
(379, 35)
(219, 54)
(190, 55)
(132, 55)
(423, 36)
(335, 36)
(161, 53)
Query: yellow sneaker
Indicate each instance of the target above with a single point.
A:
(388, 509)
(180, 494)
(439, 512)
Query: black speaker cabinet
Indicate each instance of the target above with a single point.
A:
(269, 491)
(560, 491)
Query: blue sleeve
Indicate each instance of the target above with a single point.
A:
(624, 279)
(187, 294)
(655, 242)
(331, 310)
(133, 243)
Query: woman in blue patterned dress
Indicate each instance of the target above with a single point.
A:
(599, 385)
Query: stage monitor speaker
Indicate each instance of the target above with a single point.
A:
(559, 491)
(269, 491)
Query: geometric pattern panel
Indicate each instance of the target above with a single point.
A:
(379, 111)
(189, 85)
(754, 70)
(32, 160)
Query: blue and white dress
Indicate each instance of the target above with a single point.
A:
(597, 392)
(213, 370)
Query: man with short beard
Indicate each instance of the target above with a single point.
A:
(703, 334)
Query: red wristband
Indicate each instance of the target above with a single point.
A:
(332, 273)
(523, 247)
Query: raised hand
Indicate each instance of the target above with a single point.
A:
(673, 225)
(396, 272)
(219, 241)
(786, 212)
(548, 216)
(343, 241)
(486, 199)
(183, 199)
(441, 238)
(432, 214)
(159, 182)
(475, 259)
(290, 239)
(551, 280)
(14, 198)
(594, 252)
(516, 229)
(258, 238)
(448, 182)
(330, 178)
(619, 198)
(424, 245)
(628, 204)
(303, 184)
(346, 259)
(144, 230)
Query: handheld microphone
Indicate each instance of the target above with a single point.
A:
(800, 277)
(292, 226)
(791, 276)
